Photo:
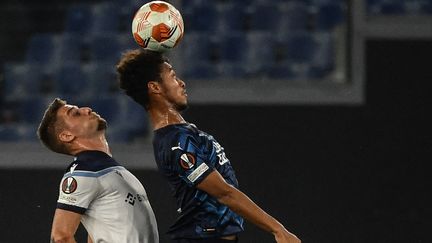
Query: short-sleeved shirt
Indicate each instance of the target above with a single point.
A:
(113, 203)
(186, 156)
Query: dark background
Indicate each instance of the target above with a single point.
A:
(336, 174)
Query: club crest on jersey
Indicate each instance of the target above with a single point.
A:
(187, 161)
(69, 185)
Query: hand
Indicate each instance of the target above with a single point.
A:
(284, 236)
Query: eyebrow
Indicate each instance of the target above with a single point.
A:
(69, 110)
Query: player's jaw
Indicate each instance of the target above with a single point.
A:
(181, 102)
(102, 123)
(176, 94)
(99, 122)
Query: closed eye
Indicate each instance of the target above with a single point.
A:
(76, 112)
(73, 111)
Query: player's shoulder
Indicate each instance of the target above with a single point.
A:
(176, 131)
(92, 163)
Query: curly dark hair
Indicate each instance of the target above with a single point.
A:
(135, 69)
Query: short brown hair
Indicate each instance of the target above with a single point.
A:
(50, 127)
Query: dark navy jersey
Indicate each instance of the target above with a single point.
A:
(185, 156)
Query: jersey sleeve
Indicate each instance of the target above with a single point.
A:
(189, 157)
(77, 192)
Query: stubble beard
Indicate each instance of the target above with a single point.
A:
(102, 124)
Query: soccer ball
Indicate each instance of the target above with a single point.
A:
(157, 26)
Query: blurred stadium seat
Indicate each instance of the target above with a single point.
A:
(102, 78)
(200, 16)
(41, 49)
(259, 52)
(264, 17)
(399, 7)
(325, 54)
(24, 79)
(232, 47)
(106, 18)
(231, 71)
(31, 110)
(126, 42)
(15, 79)
(71, 49)
(78, 19)
(232, 18)
(108, 107)
(281, 71)
(426, 7)
(295, 16)
(134, 114)
(118, 134)
(72, 81)
(18, 133)
(329, 16)
(105, 48)
(198, 47)
(9, 133)
(392, 7)
(201, 71)
(137, 124)
(126, 119)
(297, 47)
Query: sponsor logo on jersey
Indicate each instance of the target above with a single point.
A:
(72, 168)
(118, 173)
(69, 185)
(187, 161)
(176, 147)
(68, 199)
(220, 153)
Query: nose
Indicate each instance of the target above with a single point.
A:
(86, 110)
(182, 83)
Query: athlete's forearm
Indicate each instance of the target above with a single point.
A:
(245, 207)
(62, 239)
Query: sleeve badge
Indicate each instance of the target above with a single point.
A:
(69, 185)
(187, 161)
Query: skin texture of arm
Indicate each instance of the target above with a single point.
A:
(215, 185)
(65, 224)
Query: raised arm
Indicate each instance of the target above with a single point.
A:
(65, 224)
(215, 185)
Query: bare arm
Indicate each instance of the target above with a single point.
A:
(215, 185)
(89, 240)
(65, 224)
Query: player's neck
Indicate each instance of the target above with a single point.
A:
(164, 116)
(95, 144)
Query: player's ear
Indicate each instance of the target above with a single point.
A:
(66, 136)
(154, 87)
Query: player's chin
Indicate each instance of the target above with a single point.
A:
(102, 125)
(182, 106)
